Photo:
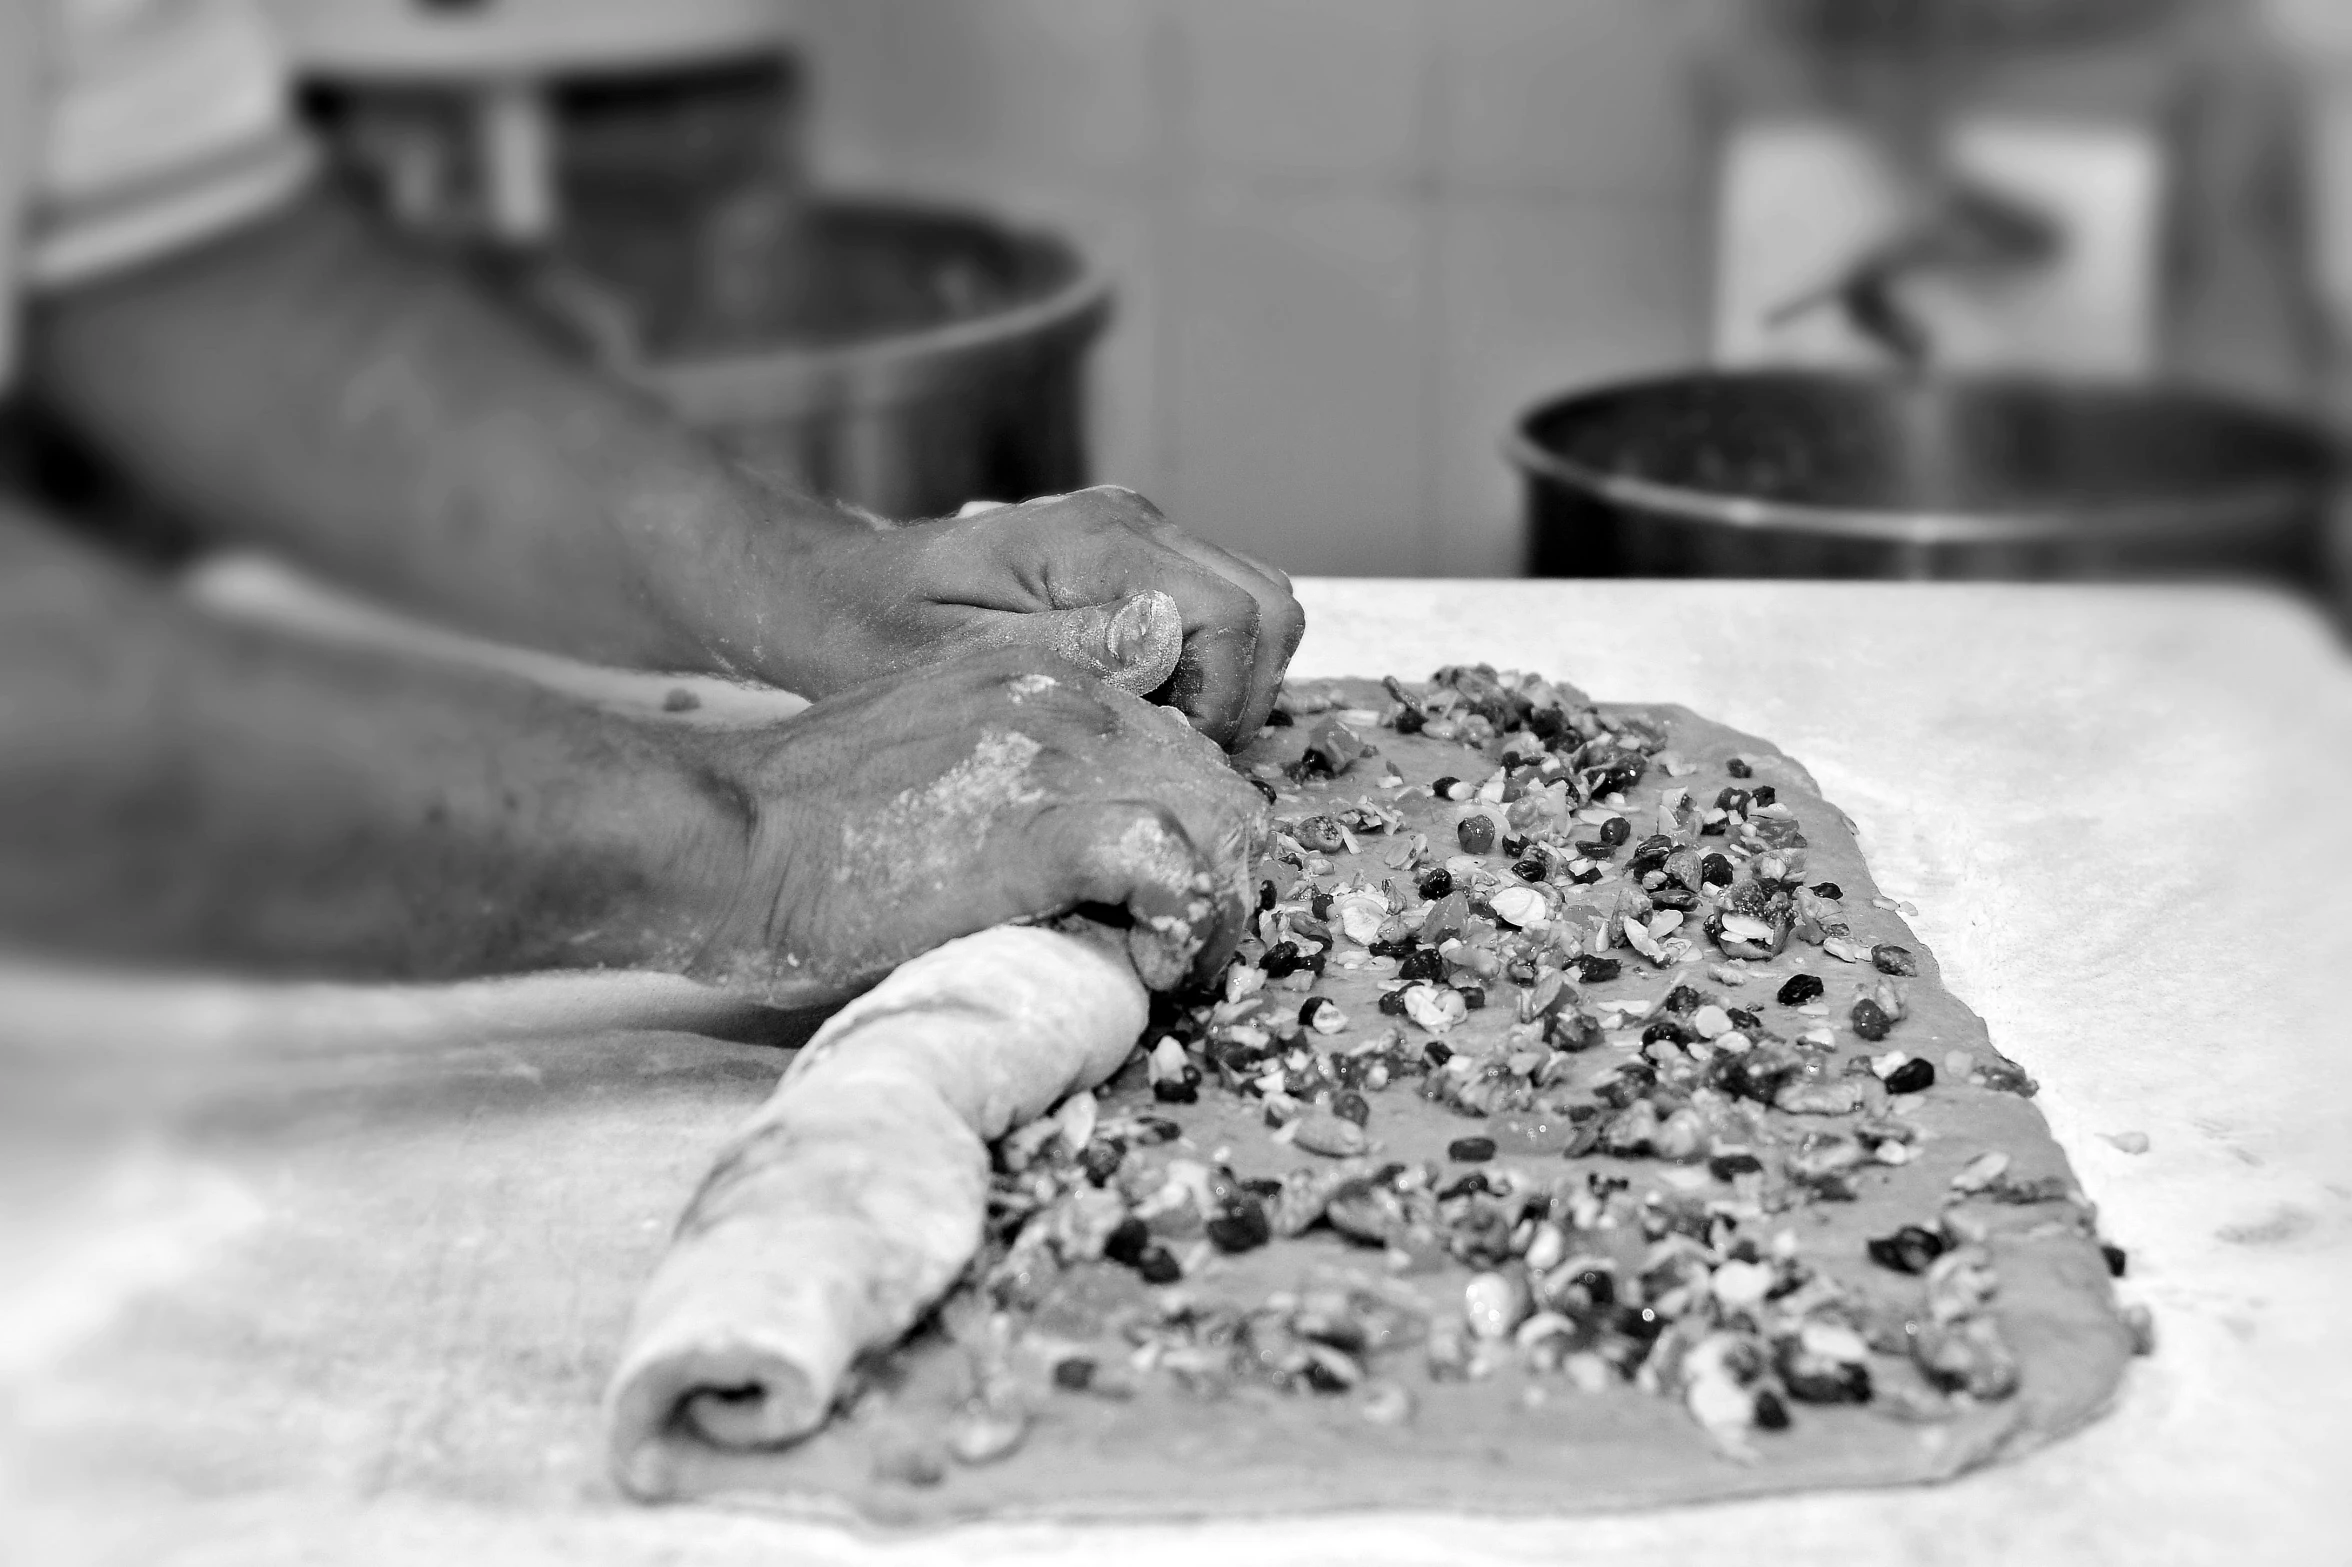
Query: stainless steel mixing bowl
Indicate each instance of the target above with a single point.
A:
(1808, 474)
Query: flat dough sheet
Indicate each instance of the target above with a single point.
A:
(1482, 1446)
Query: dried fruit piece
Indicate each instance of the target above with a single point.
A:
(1889, 958)
(1912, 1077)
(1910, 1249)
(1799, 989)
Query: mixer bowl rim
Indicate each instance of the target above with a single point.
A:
(2216, 508)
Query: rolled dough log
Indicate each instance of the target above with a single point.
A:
(856, 1195)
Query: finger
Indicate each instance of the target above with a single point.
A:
(1133, 645)
(1134, 856)
(1098, 545)
(1281, 622)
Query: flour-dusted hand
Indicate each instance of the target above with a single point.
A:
(907, 812)
(1073, 576)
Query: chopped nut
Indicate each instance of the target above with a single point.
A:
(1981, 1172)
(1384, 1403)
(981, 1434)
(1841, 1096)
(1495, 1303)
(1319, 1131)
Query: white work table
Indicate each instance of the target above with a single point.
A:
(362, 1313)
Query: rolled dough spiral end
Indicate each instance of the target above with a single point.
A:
(738, 1398)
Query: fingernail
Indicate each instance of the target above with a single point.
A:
(1130, 631)
(1143, 641)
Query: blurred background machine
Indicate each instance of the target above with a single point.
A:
(2015, 288)
(1843, 287)
(632, 173)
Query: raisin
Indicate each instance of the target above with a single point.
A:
(1913, 1076)
(1668, 1030)
(1827, 1383)
(1573, 1032)
(1444, 788)
(1265, 896)
(1889, 958)
(2116, 1257)
(1422, 965)
(1739, 769)
(1409, 721)
(1437, 1054)
(1530, 869)
(1473, 996)
(1684, 999)
(1177, 1091)
(1597, 971)
(1101, 1159)
(1766, 794)
(1830, 890)
(1437, 883)
(1615, 831)
(1241, 1227)
(1871, 1020)
(1715, 871)
(1771, 1413)
(1349, 1106)
(1471, 1150)
(1732, 800)
(1730, 1166)
(1158, 1265)
(1742, 1018)
(1281, 960)
(1127, 1244)
(1074, 1375)
(1801, 988)
(1909, 1250)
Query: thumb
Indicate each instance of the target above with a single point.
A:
(1132, 644)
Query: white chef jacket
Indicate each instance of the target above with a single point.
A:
(131, 128)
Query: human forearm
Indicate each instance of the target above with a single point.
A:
(173, 789)
(308, 386)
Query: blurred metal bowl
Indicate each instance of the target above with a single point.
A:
(904, 358)
(1806, 474)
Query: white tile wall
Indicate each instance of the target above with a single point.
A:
(1295, 346)
(1353, 237)
(1537, 294)
(1305, 87)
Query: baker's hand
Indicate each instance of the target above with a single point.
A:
(923, 807)
(1099, 578)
